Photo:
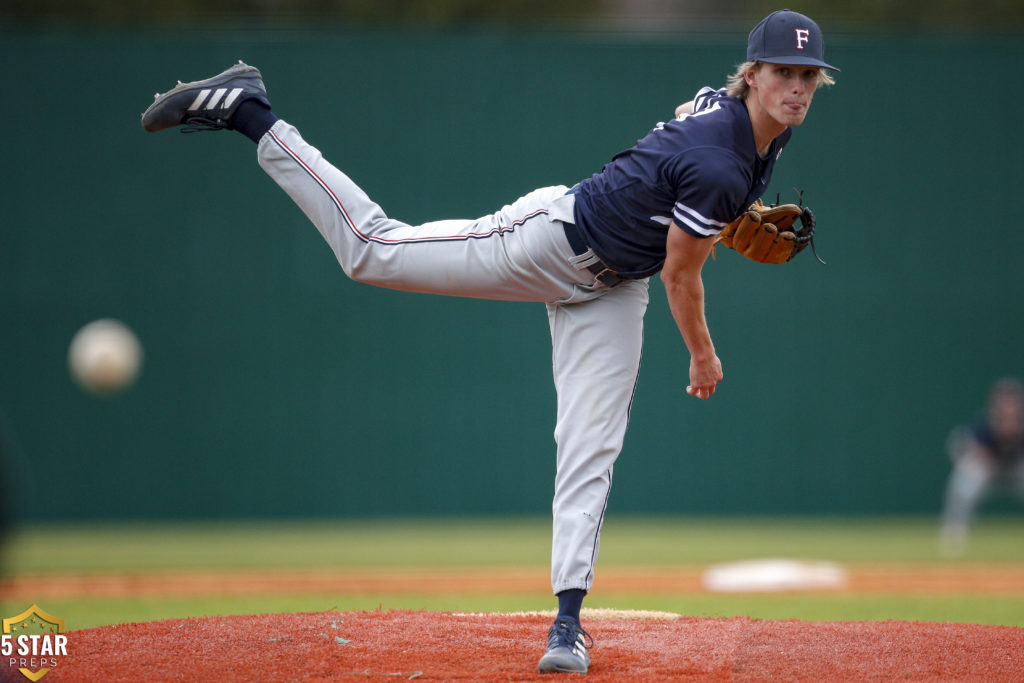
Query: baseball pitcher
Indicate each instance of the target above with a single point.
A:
(586, 251)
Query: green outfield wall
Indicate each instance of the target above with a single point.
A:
(273, 386)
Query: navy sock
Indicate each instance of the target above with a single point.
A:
(570, 602)
(253, 119)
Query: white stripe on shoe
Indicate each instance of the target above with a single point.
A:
(217, 94)
(232, 96)
(198, 101)
(221, 98)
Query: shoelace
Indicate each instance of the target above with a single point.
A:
(199, 124)
(566, 634)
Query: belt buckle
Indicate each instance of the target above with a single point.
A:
(608, 277)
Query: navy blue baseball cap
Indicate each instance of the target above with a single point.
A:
(787, 37)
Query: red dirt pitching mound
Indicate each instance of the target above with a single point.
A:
(400, 645)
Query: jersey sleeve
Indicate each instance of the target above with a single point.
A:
(705, 99)
(710, 192)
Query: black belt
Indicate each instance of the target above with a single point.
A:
(603, 273)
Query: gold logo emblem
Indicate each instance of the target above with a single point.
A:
(33, 641)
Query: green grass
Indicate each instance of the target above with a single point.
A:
(453, 543)
(392, 543)
(481, 542)
(84, 613)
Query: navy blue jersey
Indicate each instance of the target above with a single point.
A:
(700, 171)
(1006, 452)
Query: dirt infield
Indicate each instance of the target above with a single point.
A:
(400, 645)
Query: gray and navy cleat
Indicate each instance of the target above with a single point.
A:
(206, 105)
(567, 648)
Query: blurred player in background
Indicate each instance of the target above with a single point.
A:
(987, 456)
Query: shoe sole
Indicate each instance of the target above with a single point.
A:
(559, 670)
(553, 668)
(152, 112)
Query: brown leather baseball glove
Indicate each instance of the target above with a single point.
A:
(766, 234)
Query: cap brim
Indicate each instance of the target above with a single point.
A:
(798, 61)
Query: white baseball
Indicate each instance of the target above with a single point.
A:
(105, 357)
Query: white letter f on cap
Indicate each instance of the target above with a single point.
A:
(801, 37)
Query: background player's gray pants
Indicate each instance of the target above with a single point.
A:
(972, 479)
(518, 253)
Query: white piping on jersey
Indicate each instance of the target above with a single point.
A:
(703, 225)
(700, 105)
(700, 102)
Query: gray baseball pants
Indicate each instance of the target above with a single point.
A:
(519, 253)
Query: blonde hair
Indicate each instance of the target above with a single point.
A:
(736, 84)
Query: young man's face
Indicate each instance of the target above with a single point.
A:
(783, 91)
